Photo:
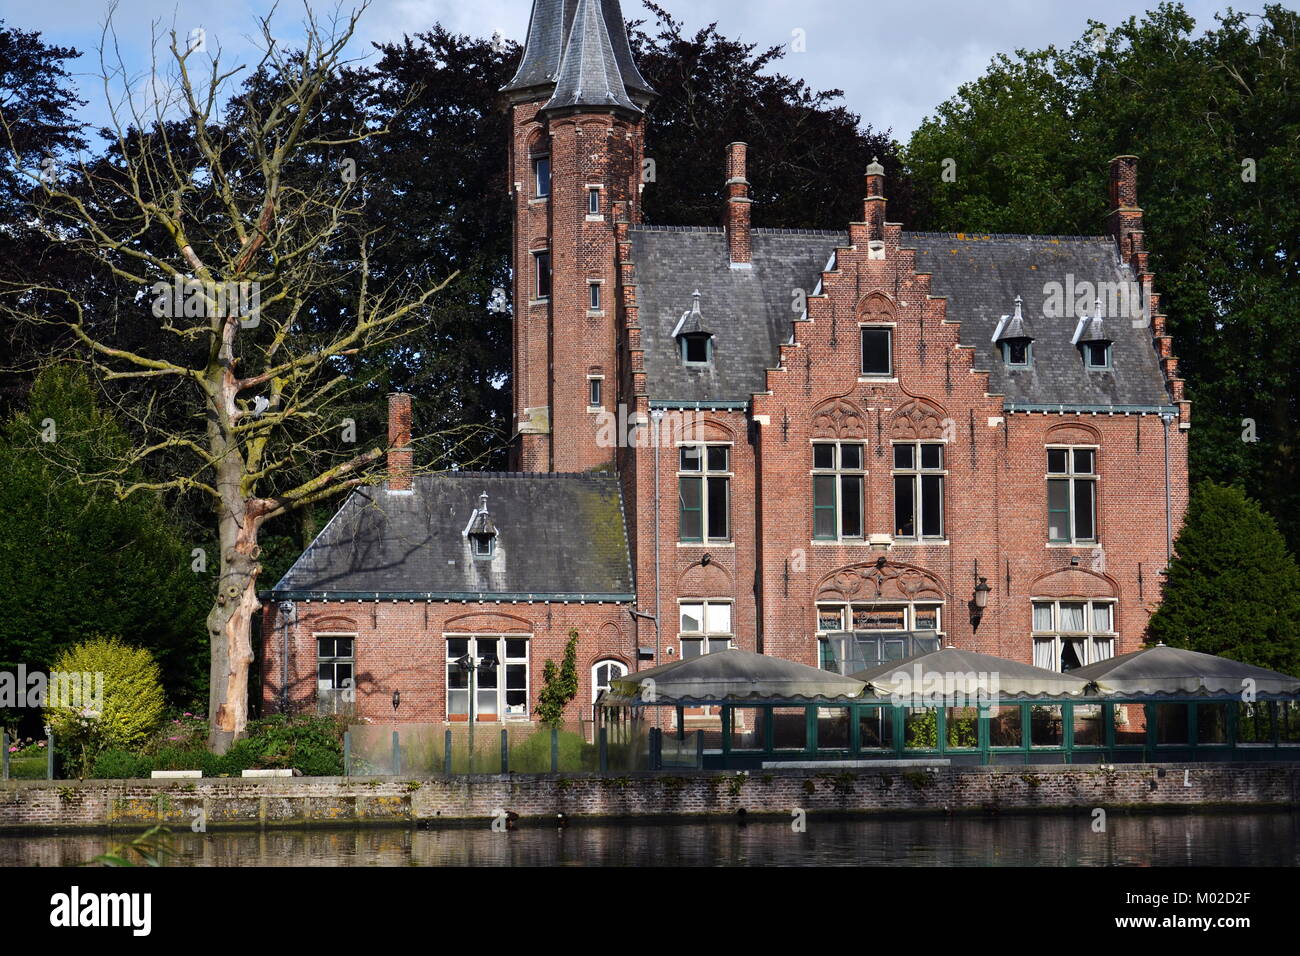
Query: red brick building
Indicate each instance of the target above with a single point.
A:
(834, 446)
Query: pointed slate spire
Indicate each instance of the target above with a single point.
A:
(1014, 327)
(548, 30)
(589, 71)
(1094, 329)
(616, 26)
(692, 321)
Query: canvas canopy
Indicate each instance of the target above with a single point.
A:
(1161, 670)
(950, 672)
(730, 675)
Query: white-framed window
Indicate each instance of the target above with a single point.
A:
(603, 675)
(918, 490)
(595, 391)
(855, 636)
(335, 663)
(593, 296)
(484, 545)
(1072, 495)
(704, 492)
(877, 350)
(1096, 355)
(500, 677)
(1018, 353)
(593, 200)
(542, 274)
(922, 616)
(541, 176)
(1069, 634)
(705, 627)
(838, 478)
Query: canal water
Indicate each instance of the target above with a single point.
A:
(1199, 839)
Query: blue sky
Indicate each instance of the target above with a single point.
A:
(895, 62)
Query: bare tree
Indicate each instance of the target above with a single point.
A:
(232, 227)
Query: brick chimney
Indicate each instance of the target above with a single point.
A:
(1125, 214)
(738, 203)
(400, 457)
(874, 211)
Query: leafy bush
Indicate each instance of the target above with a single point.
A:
(310, 744)
(129, 711)
(120, 765)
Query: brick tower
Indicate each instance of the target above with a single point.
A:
(577, 106)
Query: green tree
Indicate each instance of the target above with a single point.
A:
(1214, 120)
(1233, 587)
(74, 561)
(559, 684)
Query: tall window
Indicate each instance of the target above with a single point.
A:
(705, 627)
(542, 269)
(500, 690)
(542, 176)
(593, 296)
(879, 633)
(1072, 634)
(1072, 495)
(603, 675)
(918, 490)
(704, 488)
(837, 490)
(593, 202)
(595, 392)
(876, 351)
(335, 663)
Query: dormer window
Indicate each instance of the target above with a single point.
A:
(1093, 341)
(694, 338)
(482, 531)
(1014, 339)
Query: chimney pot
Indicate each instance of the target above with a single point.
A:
(401, 459)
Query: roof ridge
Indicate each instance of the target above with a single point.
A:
(1003, 235)
(522, 474)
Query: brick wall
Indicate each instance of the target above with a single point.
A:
(327, 801)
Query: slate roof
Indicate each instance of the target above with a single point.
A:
(549, 30)
(589, 73)
(561, 537)
(751, 314)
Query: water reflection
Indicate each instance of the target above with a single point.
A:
(1261, 839)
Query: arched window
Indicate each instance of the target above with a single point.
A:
(603, 674)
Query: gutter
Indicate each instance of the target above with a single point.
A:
(481, 597)
(1062, 409)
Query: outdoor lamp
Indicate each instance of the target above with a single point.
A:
(980, 601)
(397, 699)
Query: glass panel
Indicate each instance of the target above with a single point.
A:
(1130, 724)
(1212, 723)
(904, 455)
(893, 650)
(458, 702)
(457, 646)
(932, 506)
(717, 644)
(746, 728)
(1042, 617)
(851, 506)
(1046, 725)
(851, 457)
(1083, 461)
(1171, 723)
(1057, 459)
(905, 506)
(875, 351)
(962, 723)
(692, 647)
(325, 677)
(823, 456)
(1058, 510)
(543, 276)
(926, 618)
(718, 457)
(1288, 721)
(486, 708)
(1088, 730)
(876, 728)
(516, 649)
(789, 728)
(1004, 726)
(1072, 618)
(1017, 353)
(1074, 653)
(692, 457)
(692, 514)
(718, 524)
(921, 728)
(1103, 649)
(593, 202)
(830, 619)
(1255, 722)
(342, 675)
(832, 728)
(1101, 618)
(824, 506)
(542, 174)
(879, 618)
(692, 617)
(717, 618)
(324, 647)
(1084, 509)
(931, 456)
(697, 348)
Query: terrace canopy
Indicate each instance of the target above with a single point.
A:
(727, 676)
(1174, 671)
(999, 677)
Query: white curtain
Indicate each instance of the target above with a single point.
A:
(1045, 654)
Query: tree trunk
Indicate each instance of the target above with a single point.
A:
(230, 630)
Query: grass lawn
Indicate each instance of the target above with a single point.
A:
(28, 768)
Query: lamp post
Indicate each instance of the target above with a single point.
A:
(471, 666)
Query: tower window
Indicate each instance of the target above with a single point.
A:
(595, 389)
(876, 348)
(543, 271)
(593, 202)
(542, 177)
(593, 296)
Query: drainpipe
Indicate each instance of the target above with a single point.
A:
(286, 612)
(1169, 510)
(657, 417)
